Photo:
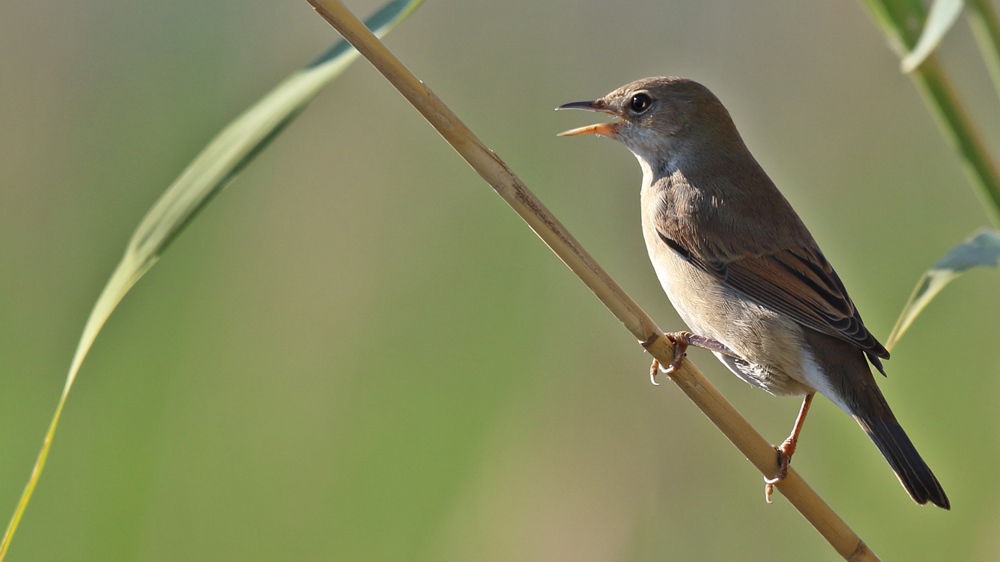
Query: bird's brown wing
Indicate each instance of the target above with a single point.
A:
(797, 282)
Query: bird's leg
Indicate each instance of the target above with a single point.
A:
(681, 341)
(787, 449)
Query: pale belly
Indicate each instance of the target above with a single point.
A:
(770, 348)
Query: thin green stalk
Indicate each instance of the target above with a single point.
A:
(934, 84)
(902, 21)
(986, 29)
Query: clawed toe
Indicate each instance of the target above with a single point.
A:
(681, 340)
(654, 369)
(784, 459)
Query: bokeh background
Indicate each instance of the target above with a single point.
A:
(358, 352)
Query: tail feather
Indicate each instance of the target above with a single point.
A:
(910, 468)
(846, 379)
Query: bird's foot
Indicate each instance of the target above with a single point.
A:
(681, 341)
(787, 448)
(785, 451)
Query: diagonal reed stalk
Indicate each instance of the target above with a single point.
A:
(492, 169)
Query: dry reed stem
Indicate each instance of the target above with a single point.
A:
(492, 169)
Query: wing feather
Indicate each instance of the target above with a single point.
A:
(798, 282)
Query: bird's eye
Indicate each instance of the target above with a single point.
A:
(640, 103)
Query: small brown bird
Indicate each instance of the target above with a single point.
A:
(743, 271)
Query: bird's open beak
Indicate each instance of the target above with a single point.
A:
(605, 129)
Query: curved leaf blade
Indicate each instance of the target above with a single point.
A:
(210, 172)
(943, 15)
(981, 250)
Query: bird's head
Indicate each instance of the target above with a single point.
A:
(659, 117)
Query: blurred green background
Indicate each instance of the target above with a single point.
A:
(358, 352)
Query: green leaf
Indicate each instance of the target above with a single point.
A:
(943, 15)
(212, 170)
(981, 250)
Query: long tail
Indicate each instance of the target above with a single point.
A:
(905, 461)
(854, 389)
